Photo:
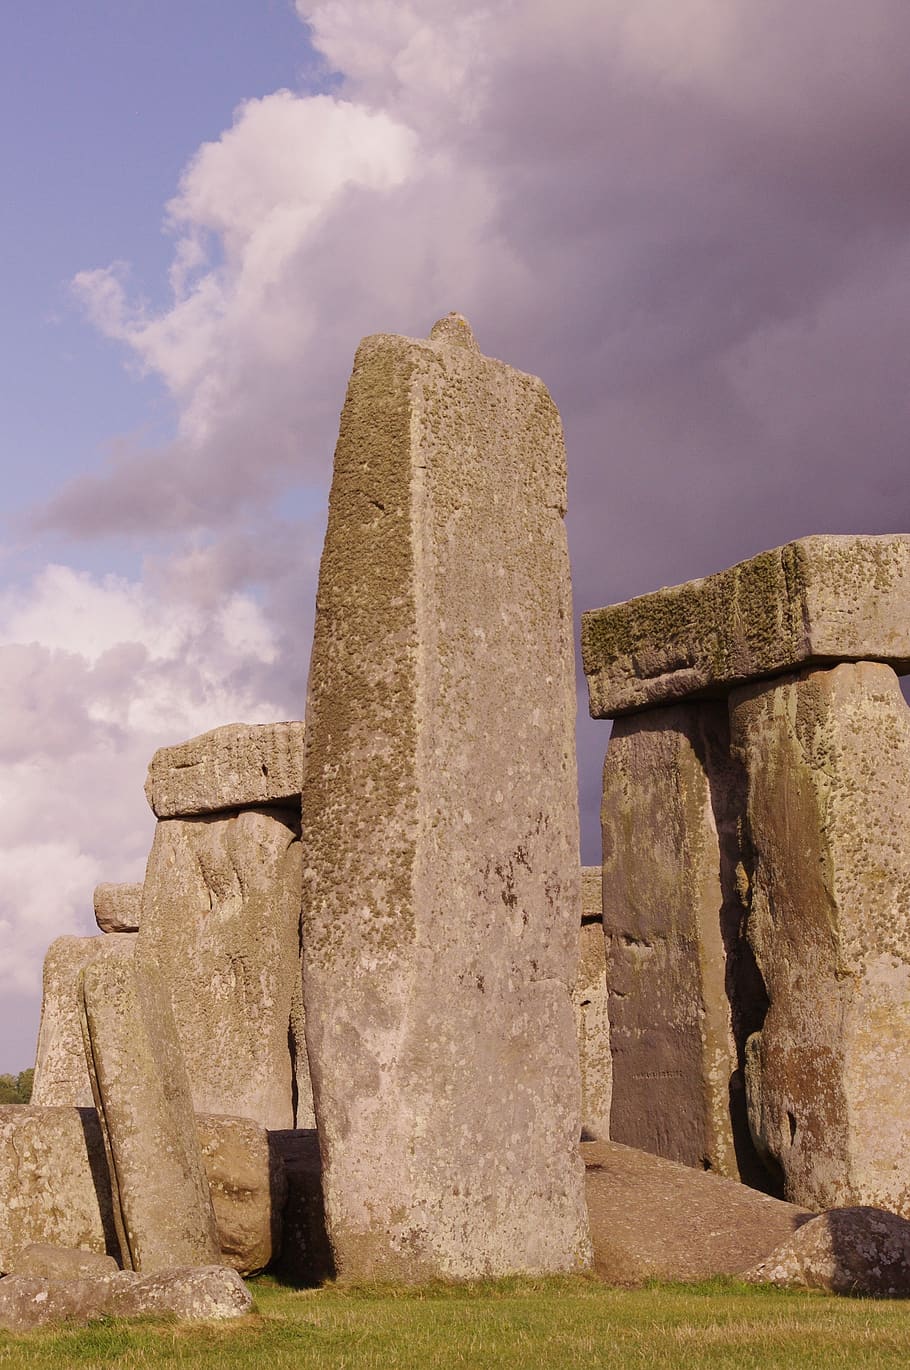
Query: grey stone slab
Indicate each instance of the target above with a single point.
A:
(827, 754)
(61, 1073)
(592, 1011)
(117, 907)
(162, 1205)
(55, 1187)
(672, 917)
(818, 600)
(221, 921)
(440, 826)
(232, 767)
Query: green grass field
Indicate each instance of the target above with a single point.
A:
(509, 1324)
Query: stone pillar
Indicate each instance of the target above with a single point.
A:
(828, 759)
(61, 1073)
(592, 1012)
(672, 922)
(440, 827)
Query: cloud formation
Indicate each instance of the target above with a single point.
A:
(692, 219)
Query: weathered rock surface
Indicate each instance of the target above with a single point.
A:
(54, 1182)
(221, 920)
(55, 1186)
(847, 1251)
(672, 921)
(655, 1219)
(828, 755)
(192, 1295)
(117, 907)
(61, 1262)
(248, 1188)
(815, 601)
(161, 1202)
(61, 1074)
(238, 766)
(592, 1012)
(441, 890)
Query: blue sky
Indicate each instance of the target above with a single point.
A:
(692, 220)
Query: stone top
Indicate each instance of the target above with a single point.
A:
(238, 766)
(813, 602)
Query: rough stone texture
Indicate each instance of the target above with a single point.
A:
(196, 1294)
(61, 1262)
(441, 892)
(673, 927)
(117, 907)
(306, 1253)
(655, 1219)
(846, 1251)
(592, 1014)
(828, 756)
(55, 1186)
(61, 1074)
(238, 766)
(815, 601)
(248, 1188)
(54, 1183)
(221, 920)
(162, 1206)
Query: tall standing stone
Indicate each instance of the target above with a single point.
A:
(827, 754)
(592, 1012)
(672, 921)
(441, 883)
(162, 1205)
(61, 1074)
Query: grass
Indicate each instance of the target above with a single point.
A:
(516, 1324)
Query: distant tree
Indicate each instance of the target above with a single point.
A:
(16, 1089)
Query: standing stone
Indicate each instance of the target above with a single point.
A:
(241, 765)
(828, 757)
(162, 1206)
(815, 601)
(61, 1074)
(117, 907)
(592, 1012)
(672, 922)
(441, 888)
(221, 919)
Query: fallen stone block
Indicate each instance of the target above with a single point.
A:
(815, 601)
(844, 1251)
(61, 1262)
(827, 755)
(238, 766)
(592, 1013)
(61, 1073)
(161, 1202)
(672, 917)
(190, 1295)
(117, 907)
(221, 923)
(655, 1219)
(55, 1186)
(440, 825)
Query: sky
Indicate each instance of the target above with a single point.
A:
(690, 217)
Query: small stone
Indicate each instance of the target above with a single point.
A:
(61, 1262)
(821, 599)
(29, 1301)
(232, 767)
(845, 1251)
(117, 907)
(248, 1188)
(190, 1294)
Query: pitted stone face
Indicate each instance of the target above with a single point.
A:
(817, 601)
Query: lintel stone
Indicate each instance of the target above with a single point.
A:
(233, 767)
(813, 602)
